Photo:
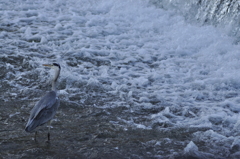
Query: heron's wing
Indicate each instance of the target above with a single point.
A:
(43, 111)
(47, 113)
(45, 102)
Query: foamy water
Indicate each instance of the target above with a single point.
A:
(166, 75)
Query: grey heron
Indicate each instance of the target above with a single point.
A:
(46, 107)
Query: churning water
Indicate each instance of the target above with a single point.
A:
(137, 81)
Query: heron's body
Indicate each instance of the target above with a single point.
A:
(46, 108)
(43, 111)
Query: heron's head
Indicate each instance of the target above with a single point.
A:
(53, 65)
(56, 67)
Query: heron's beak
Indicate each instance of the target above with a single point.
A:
(48, 65)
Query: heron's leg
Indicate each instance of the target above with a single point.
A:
(48, 136)
(49, 126)
(35, 136)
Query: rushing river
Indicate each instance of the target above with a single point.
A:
(138, 80)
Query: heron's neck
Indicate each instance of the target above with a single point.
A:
(54, 86)
(57, 72)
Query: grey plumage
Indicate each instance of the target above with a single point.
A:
(43, 111)
(46, 108)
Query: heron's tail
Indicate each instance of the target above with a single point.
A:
(28, 129)
(31, 125)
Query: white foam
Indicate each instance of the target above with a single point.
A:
(142, 56)
(191, 148)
